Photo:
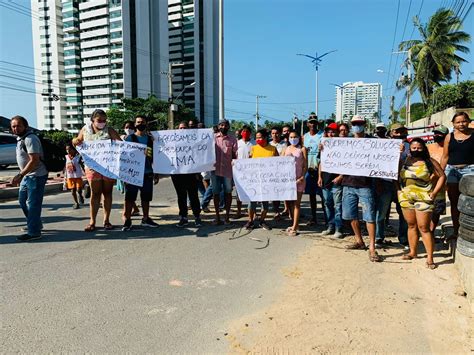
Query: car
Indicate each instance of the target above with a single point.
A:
(7, 150)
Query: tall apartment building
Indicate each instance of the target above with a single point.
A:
(359, 98)
(93, 53)
(194, 55)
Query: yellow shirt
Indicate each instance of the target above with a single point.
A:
(258, 151)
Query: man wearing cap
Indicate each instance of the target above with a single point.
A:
(380, 130)
(311, 141)
(221, 178)
(359, 189)
(436, 152)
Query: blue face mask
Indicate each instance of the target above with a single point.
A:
(357, 129)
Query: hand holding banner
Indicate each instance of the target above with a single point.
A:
(183, 151)
(115, 159)
(265, 179)
(361, 157)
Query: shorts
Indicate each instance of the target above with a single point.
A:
(415, 200)
(351, 197)
(74, 183)
(311, 182)
(220, 183)
(93, 175)
(439, 206)
(146, 191)
(454, 175)
(253, 205)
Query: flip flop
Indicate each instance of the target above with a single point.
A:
(431, 266)
(89, 228)
(408, 257)
(375, 257)
(108, 226)
(356, 246)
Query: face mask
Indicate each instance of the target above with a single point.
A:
(245, 135)
(381, 133)
(261, 142)
(294, 141)
(357, 129)
(141, 127)
(128, 131)
(402, 136)
(438, 138)
(223, 130)
(100, 125)
(416, 153)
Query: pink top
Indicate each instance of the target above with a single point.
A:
(296, 152)
(226, 150)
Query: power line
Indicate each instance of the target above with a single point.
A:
(393, 43)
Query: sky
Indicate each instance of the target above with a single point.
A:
(261, 41)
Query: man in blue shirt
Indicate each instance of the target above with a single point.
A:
(146, 191)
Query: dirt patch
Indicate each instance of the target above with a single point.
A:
(337, 301)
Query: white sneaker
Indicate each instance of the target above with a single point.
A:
(338, 235)
(328, 231)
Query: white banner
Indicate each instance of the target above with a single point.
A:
(183, 151)
(361, 157)
(265, 179)
(115, 159)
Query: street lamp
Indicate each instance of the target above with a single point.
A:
(341, 87)
(182, 91)
(316, 60)
(170, 76)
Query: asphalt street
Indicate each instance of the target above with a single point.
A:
(165, 290)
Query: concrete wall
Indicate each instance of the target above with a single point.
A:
(441, 118)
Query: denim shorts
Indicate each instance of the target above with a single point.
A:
(351, 196)
(454, 175)
(146, 191)
(220, 183)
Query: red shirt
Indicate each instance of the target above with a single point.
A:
(226, 150)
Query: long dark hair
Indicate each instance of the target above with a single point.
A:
(426, 154)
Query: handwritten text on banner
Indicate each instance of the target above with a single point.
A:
(265, 179)
(361, 157)
(183, 151)
(115, 159)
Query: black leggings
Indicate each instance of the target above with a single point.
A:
(187, 185)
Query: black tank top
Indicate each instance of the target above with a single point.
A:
(461, 152)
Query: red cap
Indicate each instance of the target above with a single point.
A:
(333, 126)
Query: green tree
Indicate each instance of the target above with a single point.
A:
(434, 57)
(417, 112)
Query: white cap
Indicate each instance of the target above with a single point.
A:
(380, 125)
(357, 118)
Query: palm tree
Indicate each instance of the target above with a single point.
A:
(434, 56)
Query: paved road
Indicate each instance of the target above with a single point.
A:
(165, 290)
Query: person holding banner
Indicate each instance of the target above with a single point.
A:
(221, 179)
(417, 194)
(146, 190)
(296, 150)
(101, 185)
(343, 130)
(244, 146)
(261, 150)
(186, 185)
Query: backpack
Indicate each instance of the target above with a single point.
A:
(53, 154)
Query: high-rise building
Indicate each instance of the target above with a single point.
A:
(359, 98)
(194, 55)
(93, 53)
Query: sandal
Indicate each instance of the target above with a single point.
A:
(408, 257)
(217, 222)
(89, 228)
(356, 246)
(375, 257)
(292, 233)
(431, 266)
(108, 226)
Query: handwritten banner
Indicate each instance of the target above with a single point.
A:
(183, 151)
(115, 159)
(361, 157)
(265, 179)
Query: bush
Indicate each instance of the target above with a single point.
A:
(459, 96)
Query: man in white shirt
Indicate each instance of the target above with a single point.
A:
(244, 146)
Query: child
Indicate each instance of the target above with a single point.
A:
(73, 175)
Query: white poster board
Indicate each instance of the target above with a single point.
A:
(361, 157)
(115, 159)
(265, 179)
(183, 151)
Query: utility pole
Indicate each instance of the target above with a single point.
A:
(295, 119)
(316, 61)
(257, 116)
(221, 60)
(392, 108)
(172, 106)
(408, 108)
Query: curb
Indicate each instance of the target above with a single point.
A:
(11, 193)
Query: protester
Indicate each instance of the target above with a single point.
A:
(221, 178)
(417, 194)
(192, 124)
(359, 189)
(141, 136)
(128, 129)
(380, 130)
(296, 150)
(237, 133)
(332, 192)
(285, 134)
(186, 186)
(311, 142)
(261, 150)
(73, 175)
(436, 152)
(31, 178)
(101, 185)
(458, 160)
(244, 146)
(280, 146)
(343, 130)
